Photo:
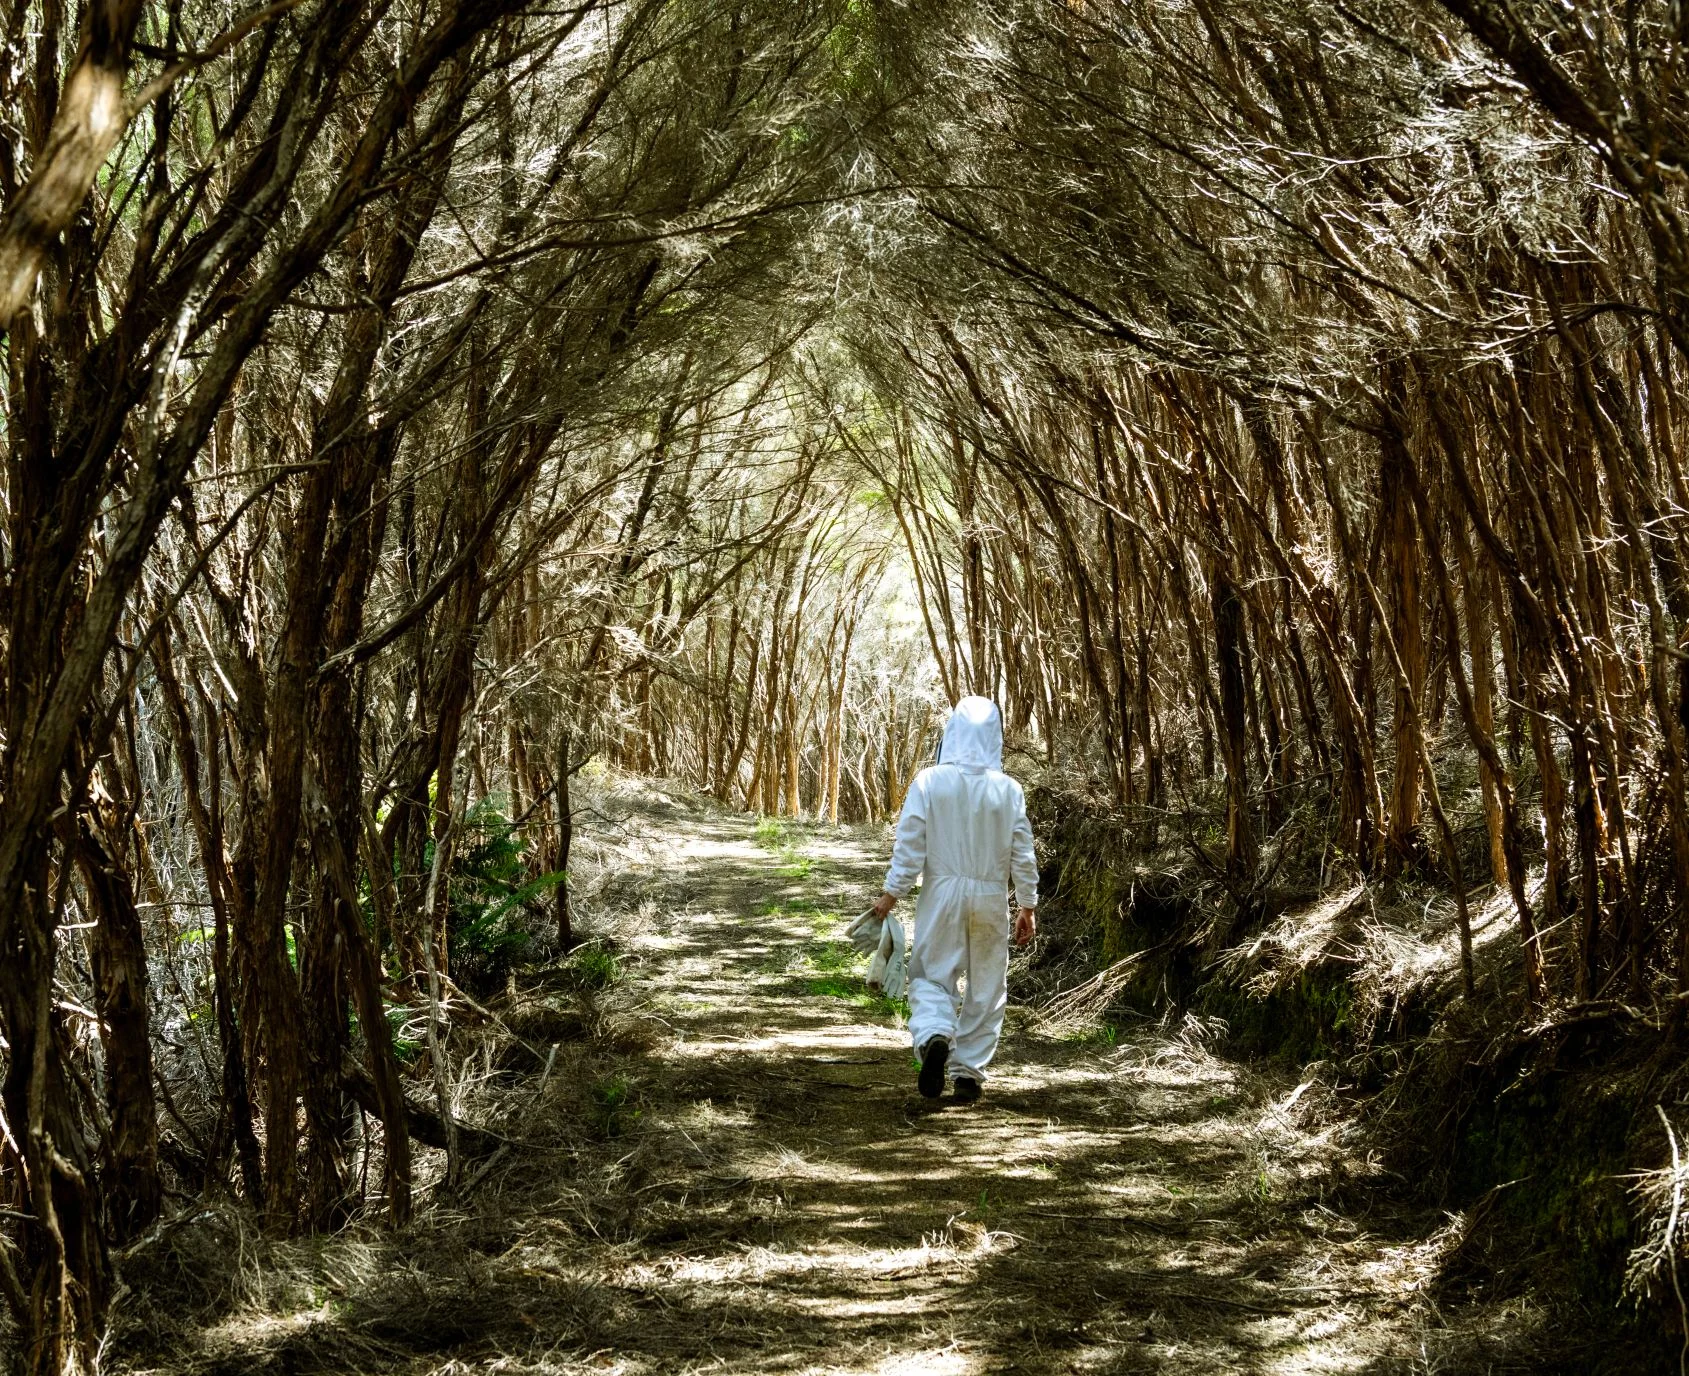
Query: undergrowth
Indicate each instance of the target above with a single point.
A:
(1528, 1132)
(494, 921)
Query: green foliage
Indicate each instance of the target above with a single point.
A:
(611, 1092)
(853, 47)
(398, 1016)
(489, 920)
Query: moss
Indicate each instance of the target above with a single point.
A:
(1310, 1018)
(1113, 905)
(1553, 1149)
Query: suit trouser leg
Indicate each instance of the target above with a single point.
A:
(980, 1026)
(937, 959)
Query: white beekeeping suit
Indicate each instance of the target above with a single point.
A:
(964, 834)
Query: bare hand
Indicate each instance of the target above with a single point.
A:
(1026, 925)
(883, 905)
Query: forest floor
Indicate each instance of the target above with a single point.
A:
(730, 1170)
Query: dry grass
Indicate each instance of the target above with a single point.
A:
(709, 1166)
(1084, 1005)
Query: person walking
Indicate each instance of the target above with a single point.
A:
(965, 836)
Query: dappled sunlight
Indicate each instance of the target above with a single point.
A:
(821, 1037)
(948, 1362)
(1148, 1199)
(762, 1263)
(753, 1185)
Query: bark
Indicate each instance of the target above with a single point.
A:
(423, 1123)
(565, 840)
(1403, 610)
(63, 1270)
(1242, 845)
(132, 1189)
(235, 1115)
(1501, 810)
(91, 115)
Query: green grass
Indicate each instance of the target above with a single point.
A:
(854, 992)
(834, 957)
(773, 833)
(612, 1092)
(834, 987)
(685, 1005)
(790, 907)
(596, 968)
(781, 837)
(612, 1098)
(832, 967)
(823, 920)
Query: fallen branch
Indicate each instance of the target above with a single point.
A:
(425, 1124)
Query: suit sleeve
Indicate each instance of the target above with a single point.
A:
(909, 852)
(1023, 862)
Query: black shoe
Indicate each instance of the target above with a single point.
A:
(931, 1080)
(966, 1089)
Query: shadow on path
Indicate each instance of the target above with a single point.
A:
(1144, 1206)
(734, 1174)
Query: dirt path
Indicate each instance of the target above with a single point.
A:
(1136, 1206)
(721, 1165)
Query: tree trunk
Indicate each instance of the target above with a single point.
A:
(1402, 565)
(565, 841)
(133, 1193)
(1242, 847)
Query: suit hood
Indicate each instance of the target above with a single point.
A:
(974, 735)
